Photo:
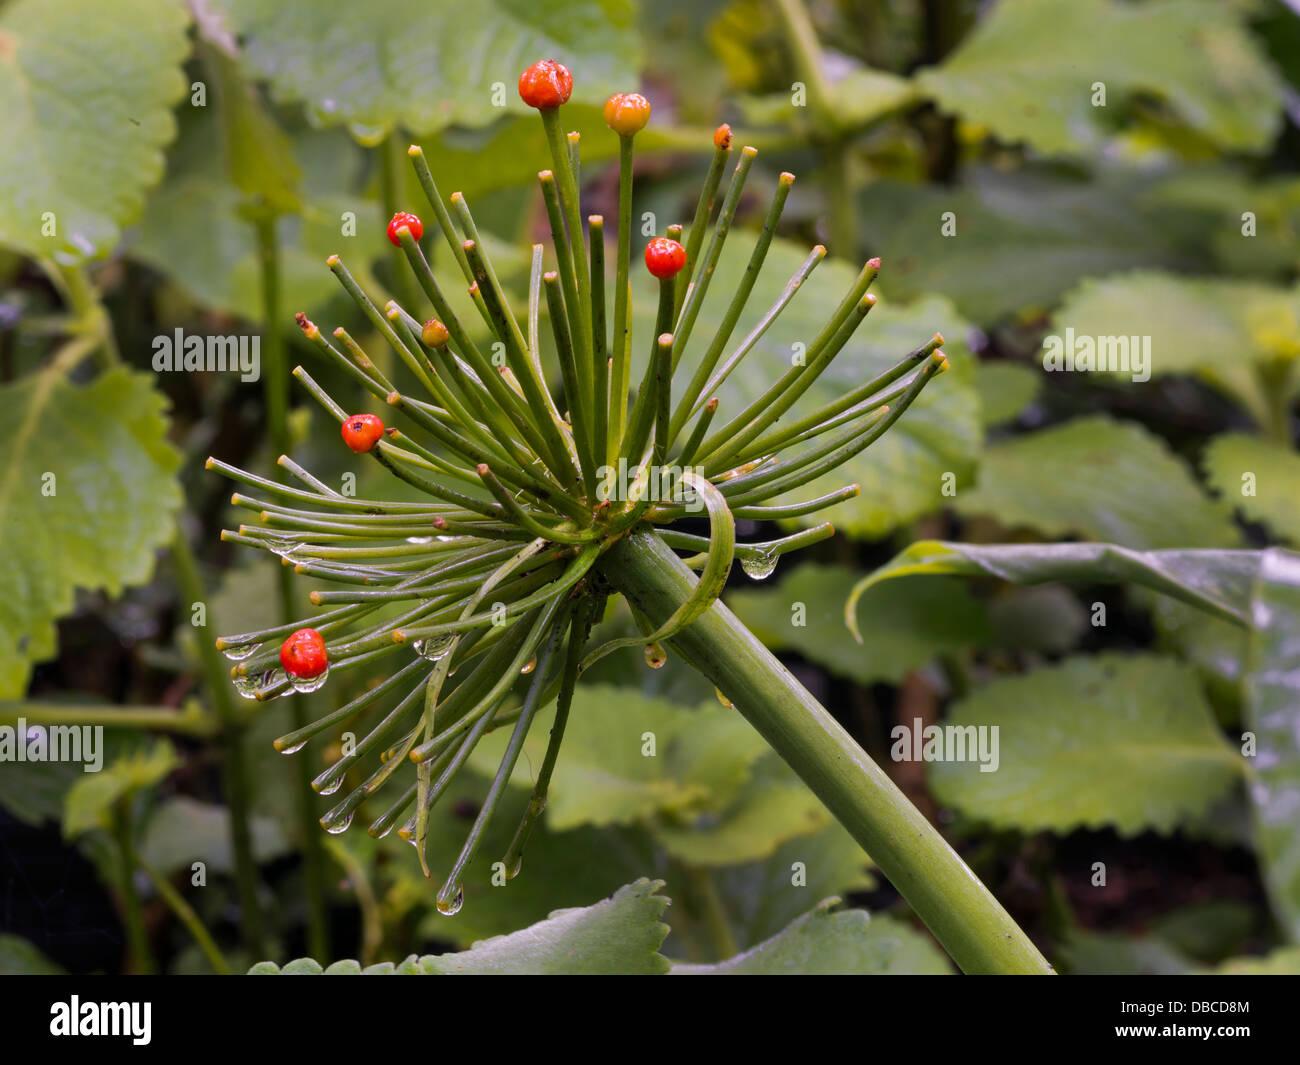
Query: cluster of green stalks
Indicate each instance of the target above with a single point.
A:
(496, 574)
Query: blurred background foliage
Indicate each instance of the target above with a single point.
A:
(1021, 166)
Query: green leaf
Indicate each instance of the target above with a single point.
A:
(103, 521)
(901, 474)
(823, 942)
(1272, 713)
(1100, 478)
(700, 758)
(86, 92)
(183, 830)
(1029, 69)
(1005, 390)
(1068, 732)
(90, 800)
(906, 623)
(385, 63)
(1215, 581)
(1274, 480)
(1021, 238)
(1215, 328)
(18, 957)
(1285, 961)
(617, 936)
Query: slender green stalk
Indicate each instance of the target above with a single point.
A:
(132, 913)
(275, 382)
(390, 155)
(700, 223)
(599, 341)
(619, 369)
(190, 720)
(963, 915)
(568, 188)
(234, 763)
(186, 915)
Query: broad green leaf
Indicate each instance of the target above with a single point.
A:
(761, 898)
(1028, 71)
(86, 92)
(1215, 328)
(1260, 478)
(827, 943)
(183, 830)
(1218, 582)
(95, 524)
(1067, 733)
(1100, 478)
(773, 807)
(699, 761)
(1017, 239)
(617, 936)
(1086, 953)
(89, 801)
(1272, 713)
(1005, 390)
(18, 957)
(906, 624)
(1047, 619)
(387, 63)
(902, 473)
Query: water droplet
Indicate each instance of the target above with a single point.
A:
(341, 825)
(241, 651)
(723, 699)
(655, 655)
(419, 539)
(445, 538)
(435, 647)
(760, 565)
(246, 686)
(281, 544)
(514, 871)
(294, 748)
(449, 907)
(311, 684)
(530, 665)
(332, 786)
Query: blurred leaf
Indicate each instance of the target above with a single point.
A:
(1285, 961)
(1104, 479)
(1023, 237)
(701, 758)
(86, 92)
(906, 624)
(901, 474)
(1215, 327)
(1005, 390)
(1028, 69)
(1272, 713)
(761, 898)
(89, 801)
(1046, 618)
(1086, 953)
(18, 957)
(1274, 498)
(1068, 732)
(103, 522)
(773, 807)
(386, 63)
(619, 935)
(1216, 581)
(822, 942)
(183, 830)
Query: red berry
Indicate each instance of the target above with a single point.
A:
(410, 221)
(303, 654)
(627, 113)
(362, 431)
(664, 257)
(546, 84)
(722, 137)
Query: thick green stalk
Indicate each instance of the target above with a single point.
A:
(961, 912)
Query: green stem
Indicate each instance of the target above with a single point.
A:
(188, 721)
(276, 385)
(961, 912)
(1275, 386)
(132, 914)
(234, 765)
(703, 890)
(185, 913)
(391, 154)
